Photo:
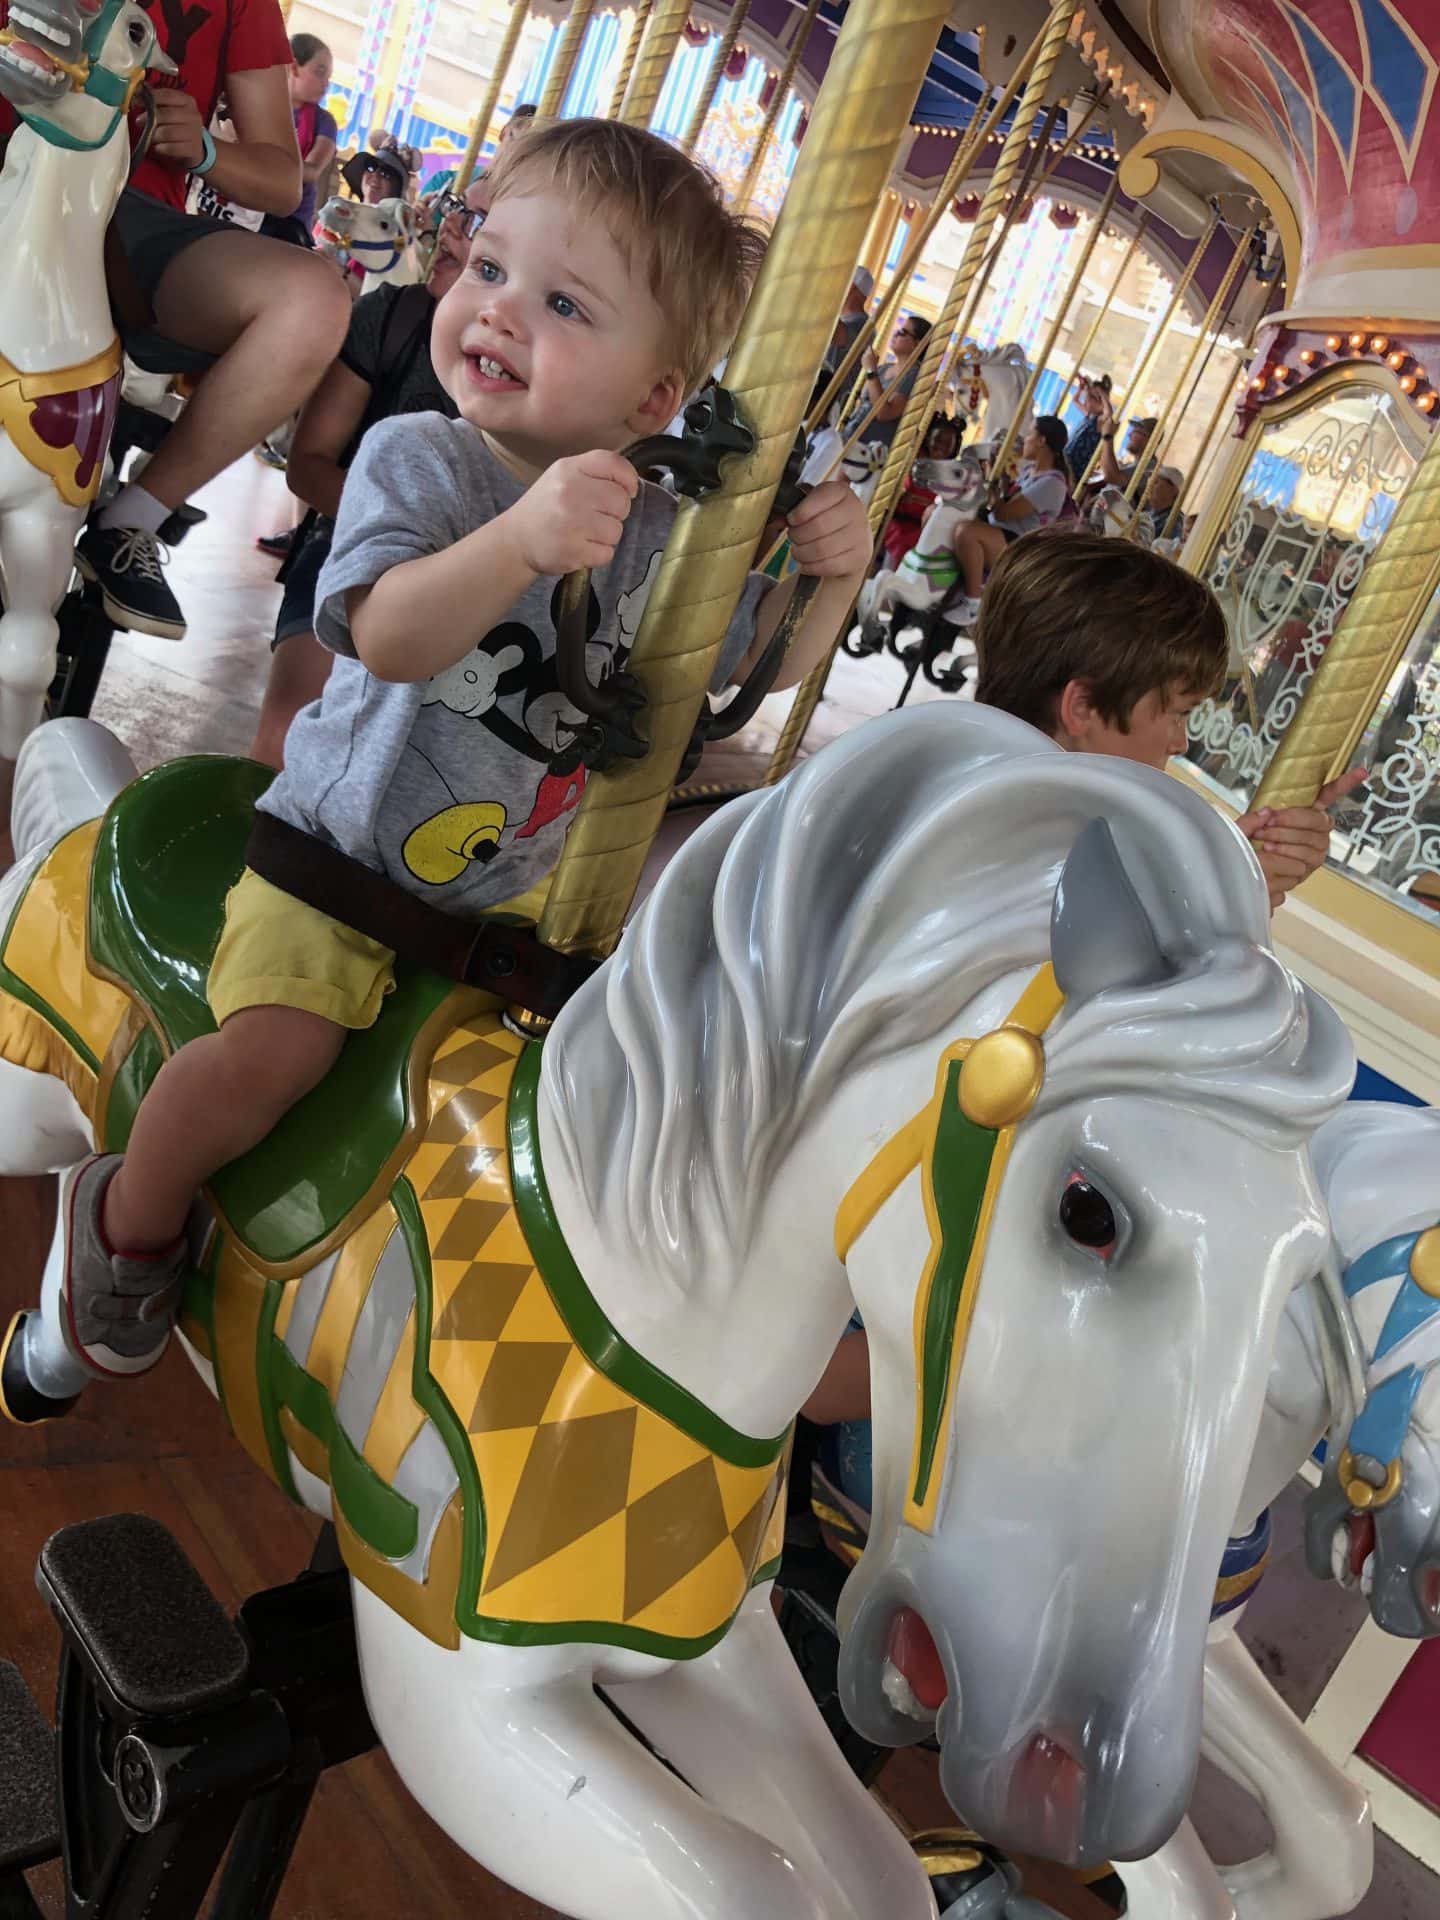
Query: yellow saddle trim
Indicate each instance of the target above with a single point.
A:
(19, 393)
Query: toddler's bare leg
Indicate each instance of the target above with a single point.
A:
(212, 1101)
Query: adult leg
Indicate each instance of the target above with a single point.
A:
(274, 316)
(299, 668)
(978, 546)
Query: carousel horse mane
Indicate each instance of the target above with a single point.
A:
(858, 909)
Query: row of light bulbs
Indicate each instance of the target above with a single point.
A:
(1411, 375)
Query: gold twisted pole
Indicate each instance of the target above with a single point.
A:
(1042, 358)
(876, 250)
(514, 27)
(1153, 345)
(875, 72)
(1204, 458)
(1102, 311)
(1366, 648)
(961, 301)
(1214, 316)
(652, 63)
(699, 113)
(557, 81)
(627, 58)
(776, 107)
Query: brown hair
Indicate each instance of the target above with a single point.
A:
(666, 213)
(1080, 606)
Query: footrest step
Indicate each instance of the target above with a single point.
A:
(132, 1605)
(29, 1813)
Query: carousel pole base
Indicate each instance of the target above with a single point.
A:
(181, 1734)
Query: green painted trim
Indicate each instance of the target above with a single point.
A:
(769, 1571)
(199, 1298)
(385, 1520)
(127, 1090)
(430, 1396)
(959, 1169)
(21, 990)
(589, 1328)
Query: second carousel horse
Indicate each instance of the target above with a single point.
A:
(70, 74)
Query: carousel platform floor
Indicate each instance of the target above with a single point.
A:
(163, 1448)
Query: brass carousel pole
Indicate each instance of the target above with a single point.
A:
(1157, 339)
(739, 13)
(627, 59)
(1042, 358)
(514, 27)
(776, 107)
(1103, 311)
(1214, 316)
(557, 81)
(879, 60)
(876, 250)
(1204, 459)
(652, 63)
(1366, 648)
(961, 302)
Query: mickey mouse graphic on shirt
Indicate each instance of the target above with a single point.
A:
(483, 688)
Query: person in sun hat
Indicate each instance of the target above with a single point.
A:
(1163, 491)
(377, 176)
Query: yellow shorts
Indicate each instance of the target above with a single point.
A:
(275, 951)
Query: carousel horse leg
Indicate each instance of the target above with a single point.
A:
(740, 1725)
(1324, 1852)
(1180, 1882)
(36, 545)
(510, 1752)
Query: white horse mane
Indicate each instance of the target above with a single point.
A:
(860, 908)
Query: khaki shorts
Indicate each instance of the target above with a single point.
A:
(275, 951)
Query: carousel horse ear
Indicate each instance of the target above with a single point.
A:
(1100, 933)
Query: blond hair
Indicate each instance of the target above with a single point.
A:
(1079, 606)
(666, 213)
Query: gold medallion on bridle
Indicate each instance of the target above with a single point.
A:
(1002, 1077)
(1425, 1262)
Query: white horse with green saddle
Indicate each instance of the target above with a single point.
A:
(982, 1037)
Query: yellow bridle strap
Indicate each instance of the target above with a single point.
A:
(903, 1152)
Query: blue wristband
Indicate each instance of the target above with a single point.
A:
(207, 153)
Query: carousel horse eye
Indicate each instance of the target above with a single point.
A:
(1086, 1215)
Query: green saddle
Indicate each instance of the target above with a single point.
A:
(170, 848)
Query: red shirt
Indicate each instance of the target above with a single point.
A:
(205, 47)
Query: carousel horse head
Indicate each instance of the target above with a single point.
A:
(1061, 1157)
(377, 236)
(71, 69)
(960, 482)
(1374, 1520)
(1112, 514)
(863, 465)
(995, 378)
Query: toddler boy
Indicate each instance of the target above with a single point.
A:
(606, 280)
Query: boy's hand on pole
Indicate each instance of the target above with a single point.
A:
(574, 514)
(1291, 843)
(829, 533)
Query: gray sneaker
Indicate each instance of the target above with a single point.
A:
(119, 1307)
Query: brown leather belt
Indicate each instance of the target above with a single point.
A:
(505, 960)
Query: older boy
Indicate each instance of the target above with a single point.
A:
(1108, 648)
(607, 278)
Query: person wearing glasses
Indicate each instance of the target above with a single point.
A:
(887, 384)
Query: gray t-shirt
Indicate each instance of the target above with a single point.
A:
(462, 787)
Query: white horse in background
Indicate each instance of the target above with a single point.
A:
(70, 76)
(988, 384)
(942, 960)
(382, 237)
(929, 570)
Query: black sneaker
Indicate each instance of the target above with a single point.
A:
(124, 562)
(278, 544)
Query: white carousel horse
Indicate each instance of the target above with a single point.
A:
(381, 237)
(929, 570)
(70, 74)
(988, 385)
(982, 1037)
